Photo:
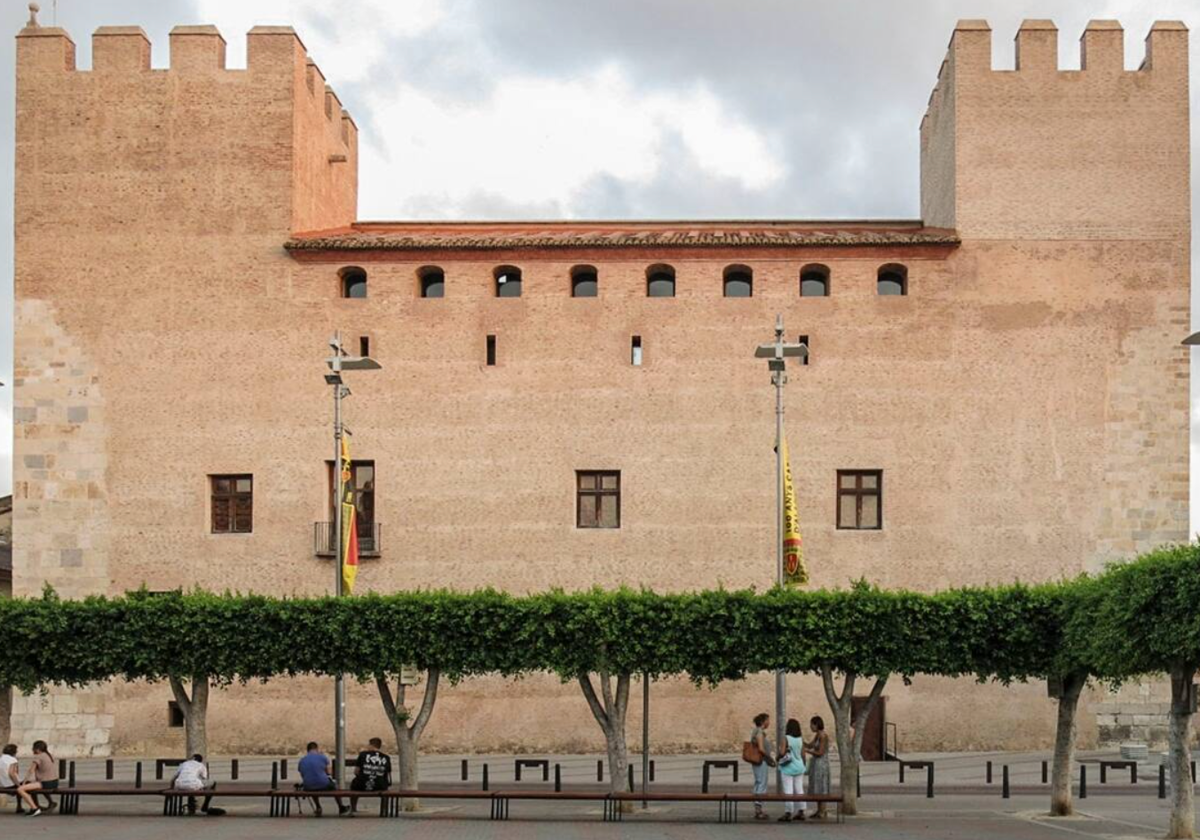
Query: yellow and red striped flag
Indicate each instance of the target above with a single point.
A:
(349, 523)
(795, 572)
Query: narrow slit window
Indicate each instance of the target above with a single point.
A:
(635, 351)
(804, 340)
(174, 715)
(491, 350)
(364, 346)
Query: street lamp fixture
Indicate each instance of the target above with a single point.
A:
(338, 363)
(777, 353)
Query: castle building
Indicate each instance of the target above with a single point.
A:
(995, 391)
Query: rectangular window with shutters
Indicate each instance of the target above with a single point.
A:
(860, 500)
(232, 504)
(597, 499)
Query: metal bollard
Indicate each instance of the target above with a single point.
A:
(858, 782)
(1162, 781)
(1045, 772)
(652, 769)
(464, 769)
(108, 770)
(989, 772)
(1082, 782)
(274, 775)
(233, 770)
(600, 770)
(485, 776)
(71, 774)
(901, 772)
(631, 785)
(1004, 783)
(557, 778)
(1133, 774)
(137, 776)
(283, 770)
(62, 767)
(929, 783)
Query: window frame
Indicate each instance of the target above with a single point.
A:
(816, 269)
(506, 271)
(596, 494)
(731, 275)
(230, 499)
(350, 274)
(427, 276)
(899, 271)
(667, 272)
(577, 277)
(857, 493)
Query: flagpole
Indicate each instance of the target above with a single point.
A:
(779, 378)
(339, 684)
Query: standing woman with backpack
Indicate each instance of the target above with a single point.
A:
(757, 752)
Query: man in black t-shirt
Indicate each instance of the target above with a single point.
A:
(373, 770)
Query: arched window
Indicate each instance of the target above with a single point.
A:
(433, 281)
(660, 281)
(353, 282)
(585, 281)
(893, 280)
(739, 281)
(814, 281)
(508, 281)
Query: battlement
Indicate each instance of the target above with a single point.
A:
(193, 50)
(198, 113)
(1100, 151)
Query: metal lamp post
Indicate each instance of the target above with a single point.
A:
(776, 353)
(338, 363)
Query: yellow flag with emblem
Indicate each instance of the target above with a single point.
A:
(795, 572)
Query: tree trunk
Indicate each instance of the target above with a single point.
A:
(1061, 804)
(849, 732)
(1183, 815)
(609, 711)
(408, 735)
(195, 713)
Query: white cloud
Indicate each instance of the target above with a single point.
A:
(528, 141)
(538, 140)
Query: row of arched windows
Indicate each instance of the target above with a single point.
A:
(738, 281)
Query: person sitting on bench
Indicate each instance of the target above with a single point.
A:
(10, 773)
(316, 773)
(41, 776)
(373, 771)
(193, 775)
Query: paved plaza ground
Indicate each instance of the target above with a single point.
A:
(964, 806)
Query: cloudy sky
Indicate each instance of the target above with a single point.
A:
(608, 108)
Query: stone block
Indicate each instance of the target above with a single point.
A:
(71, 558)
(97, 736)
(77, 414)
(65, 704)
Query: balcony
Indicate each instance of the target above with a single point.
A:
(324, 545)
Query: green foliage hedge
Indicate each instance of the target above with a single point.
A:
(1135, 618)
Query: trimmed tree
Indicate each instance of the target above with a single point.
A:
(1145, 621)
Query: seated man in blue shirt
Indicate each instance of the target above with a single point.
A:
(316, 773)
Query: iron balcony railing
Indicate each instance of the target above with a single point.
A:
(324, 545)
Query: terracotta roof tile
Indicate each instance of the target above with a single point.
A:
(502, 236)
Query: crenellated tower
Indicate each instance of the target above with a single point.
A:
(1043, 153)
(147, 197)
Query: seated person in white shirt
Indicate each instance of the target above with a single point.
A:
(193, 775)
(10, 777)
